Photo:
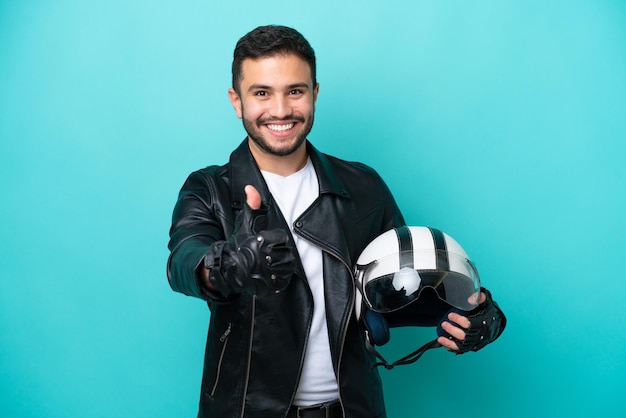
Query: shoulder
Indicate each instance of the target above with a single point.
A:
(354, 173)
(210, 172)
(205, 186)
(207, 176)
(335, 165)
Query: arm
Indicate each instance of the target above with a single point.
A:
(203, 264)
(197, 224)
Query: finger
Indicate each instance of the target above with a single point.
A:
(461, 320)
(453, 331)
(448, 344)
(481, 298)
(253, 198)
(275, 238)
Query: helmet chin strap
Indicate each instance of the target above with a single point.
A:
(408, 359)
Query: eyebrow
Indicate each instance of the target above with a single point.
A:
(289, 87)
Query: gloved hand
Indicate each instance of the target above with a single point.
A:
(254, 260)
(486, 323)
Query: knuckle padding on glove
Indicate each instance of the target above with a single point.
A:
(254, 260)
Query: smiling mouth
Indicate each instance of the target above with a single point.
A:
(280, 127)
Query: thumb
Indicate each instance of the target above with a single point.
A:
(253, 198)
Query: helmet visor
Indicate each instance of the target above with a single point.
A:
(459, 286)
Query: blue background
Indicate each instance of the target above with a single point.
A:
(499, 122)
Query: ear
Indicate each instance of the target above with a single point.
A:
(235, 100)
(316, 90)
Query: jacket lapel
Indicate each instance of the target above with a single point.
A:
(244, 171)
(322, 223)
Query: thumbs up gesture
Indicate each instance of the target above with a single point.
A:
(255, 260)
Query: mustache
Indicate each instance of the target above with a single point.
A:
(288, 118)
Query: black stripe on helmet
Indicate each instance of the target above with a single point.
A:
(441, 253)
(405, 243)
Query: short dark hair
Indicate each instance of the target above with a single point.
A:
(266, 41)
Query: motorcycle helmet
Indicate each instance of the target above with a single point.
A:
(397, 269)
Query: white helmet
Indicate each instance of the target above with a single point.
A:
(394, 269)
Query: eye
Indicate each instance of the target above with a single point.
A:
(296, 92)
(260, 93)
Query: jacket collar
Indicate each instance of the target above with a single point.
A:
(244, 170)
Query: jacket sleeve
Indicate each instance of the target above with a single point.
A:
(375, 184)
(197, 223)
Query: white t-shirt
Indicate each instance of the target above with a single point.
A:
(294, 194)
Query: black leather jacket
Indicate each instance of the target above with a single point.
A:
(255, 346)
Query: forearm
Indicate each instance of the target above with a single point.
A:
(195, 230)
(185, 270)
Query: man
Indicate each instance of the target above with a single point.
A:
(269, 241)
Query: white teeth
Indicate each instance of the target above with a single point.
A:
(280, 128)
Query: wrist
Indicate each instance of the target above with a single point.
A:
(210, 275)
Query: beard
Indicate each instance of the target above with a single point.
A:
(253, 128)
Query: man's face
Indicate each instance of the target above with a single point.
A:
(276, 102)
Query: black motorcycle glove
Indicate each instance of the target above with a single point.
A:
(487, 321)
(254, 260)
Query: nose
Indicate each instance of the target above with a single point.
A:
(279, 107)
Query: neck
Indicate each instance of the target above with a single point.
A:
(283, 165)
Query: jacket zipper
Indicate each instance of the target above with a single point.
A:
(344, 332)
(345, 327)
(224, 341)
(245, 389)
